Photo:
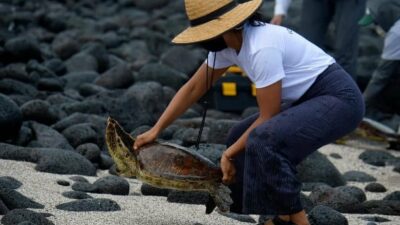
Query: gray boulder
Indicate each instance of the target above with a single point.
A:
(375, 187)
(63, 162)
(149, 5)
(18, 216)
(112, 185)
(339, 198)
(80, 134)
(47, 137)
(188, 197)
(14, 200)
(81, 62)
(10, 118)
(384, 207)
(183, 59)
(88, 89)
(323, 215)
(9, 182)
(90, 151)
(50, 84)
(75, 79)
(394, 196)
(318, 168)
(147, 189)
(65, 46)
(16, 72)
(358, 176)
(87, 205)
(376, 157)
(162, 74)
(118, 76)
(10, 86)
(23, 49)
(219, 131)
(76, 195)
(39, 111)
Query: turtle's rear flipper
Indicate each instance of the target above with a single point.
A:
(210, 206)
(221, 198)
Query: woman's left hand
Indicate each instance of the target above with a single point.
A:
(228, 169)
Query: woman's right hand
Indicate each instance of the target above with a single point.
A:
(145, 138)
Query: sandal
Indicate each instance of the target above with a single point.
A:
(278, 221)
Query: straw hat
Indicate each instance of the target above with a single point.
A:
(211, 18)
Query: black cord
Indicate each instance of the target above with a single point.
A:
(205, 103)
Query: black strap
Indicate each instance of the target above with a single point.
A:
(213, 15)
(205, 103)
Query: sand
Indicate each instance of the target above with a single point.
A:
(139, 209)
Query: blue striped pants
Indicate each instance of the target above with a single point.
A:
(266, 180)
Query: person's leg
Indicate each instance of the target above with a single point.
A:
(347, 15)
(315, 18)
(237, 187)
(379, 80)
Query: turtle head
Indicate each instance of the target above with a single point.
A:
(120, 147)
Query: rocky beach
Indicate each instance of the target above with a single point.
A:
(67, 65)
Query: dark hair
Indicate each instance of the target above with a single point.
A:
(255, 20)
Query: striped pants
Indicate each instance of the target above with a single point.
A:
(266, 180)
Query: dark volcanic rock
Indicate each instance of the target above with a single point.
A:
(65, 46)
(86, 205)
(323, 215)
(84, 187)
(3, 208)
(118, 76)
(16, 72)
(87, 106)
(10, 118)
(88, 89)
(318, 168)
(335, 155)
(147, 189)
(10, 86)
(339, 198)
(50, 84)
(9, 182)
(75, 79)
(76, 195)
(375, 187)
(112, 185)
(17, 216)
(384, 207)
(239, 217)
(376, 158)
(374, 219)
(79, 179)
(219, 131)
(14, 200)
(182, 59)
(64, 162)
(310, 186)
(47, 137)
(195, 197)
(23, 49)
(212, 152)
(63, 182)
(80, 134)
(81, 62)
(38, 110)
(90, 151)
(17, 153)
(78, 118)
(56, 65)
(162, 74)
(394, 196)
(149, 5)
(358, 176)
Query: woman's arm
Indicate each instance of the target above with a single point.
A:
(269, 104)
(188, 94)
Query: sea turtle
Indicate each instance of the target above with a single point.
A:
(167, 165)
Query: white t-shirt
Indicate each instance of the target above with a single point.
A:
(391, 49)
(271, 53)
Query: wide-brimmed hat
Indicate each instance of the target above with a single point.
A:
(211, 18)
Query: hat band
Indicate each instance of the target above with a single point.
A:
(213, 15)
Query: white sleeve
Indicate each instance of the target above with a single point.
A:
(267, 67)
(219, 61)
(281, 7)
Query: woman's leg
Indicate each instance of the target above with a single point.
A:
(237, 187)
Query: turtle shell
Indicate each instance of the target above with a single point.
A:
(176, 162)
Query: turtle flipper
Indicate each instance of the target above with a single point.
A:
(221, 198)
(120, 147)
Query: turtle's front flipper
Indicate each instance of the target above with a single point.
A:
(222, 199)
(120, 145)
